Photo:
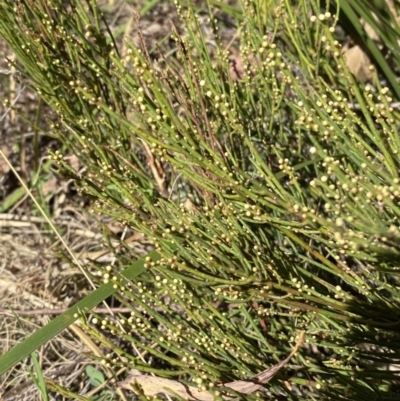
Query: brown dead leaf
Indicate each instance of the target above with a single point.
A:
(153, 385)
(357, 62)
(356, 59)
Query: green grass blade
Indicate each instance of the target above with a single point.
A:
(12, 199)
(148, 6)
(37, 379)
(61, 322)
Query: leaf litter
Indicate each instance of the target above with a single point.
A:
(154, 385)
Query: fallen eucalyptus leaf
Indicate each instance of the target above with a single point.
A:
(153, 385)
(357, 62)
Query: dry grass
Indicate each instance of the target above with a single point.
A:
(36, 280)
(32, 277)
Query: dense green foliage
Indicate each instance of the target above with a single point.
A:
(270, 192)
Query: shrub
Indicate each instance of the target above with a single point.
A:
(267, 180)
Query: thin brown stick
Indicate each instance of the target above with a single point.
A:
(157, 170)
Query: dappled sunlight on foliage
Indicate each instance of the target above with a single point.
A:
(271, 193)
